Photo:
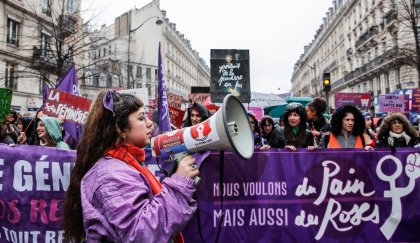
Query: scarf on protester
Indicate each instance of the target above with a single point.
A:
(335, 144)
(135, 157)
(393, 135)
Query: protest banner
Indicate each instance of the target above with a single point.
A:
(229, 74)
(362, 101)
(277, 196)
(198, 97)
(72, 108)
(5, 103)
(175, 100)
(391, 103)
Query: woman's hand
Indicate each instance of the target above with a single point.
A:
(22, 138)
(188, 167)
(265, 147)
(290, 147)
(311, 148)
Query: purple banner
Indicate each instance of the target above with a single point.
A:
(330, 195)
(361, 100)
(32, 187)
(163, 111)
(276, 196)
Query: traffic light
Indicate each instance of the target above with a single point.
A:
(326, 82)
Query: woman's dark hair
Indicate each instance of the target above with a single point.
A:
(340, 113)
(264, 120)
(27, 127)
(100, 134)
(319, 105)
(298, 108)
(254, 119)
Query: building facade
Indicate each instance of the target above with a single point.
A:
(28, 54)
(363, 45)
(124, 55)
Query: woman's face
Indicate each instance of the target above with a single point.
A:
(20, 126)
(348, 122)
(368, 122)
(251, 121)
(139, 133)
(310, 113)
(267, 127)
(41, 130)
(293, 119)
(397, 126)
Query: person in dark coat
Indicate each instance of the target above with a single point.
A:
(396, 131)
(317, 123)
(295, 133)
(271, 134)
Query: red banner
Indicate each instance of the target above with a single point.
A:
(70, 107)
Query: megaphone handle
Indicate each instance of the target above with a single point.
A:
(176, 158)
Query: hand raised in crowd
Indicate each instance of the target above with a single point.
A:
(188, 167)
(22, 138)
(367, 148)
(265, 147)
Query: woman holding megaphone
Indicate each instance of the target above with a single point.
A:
(112, 196)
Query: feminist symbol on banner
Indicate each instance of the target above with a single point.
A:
(412, 170)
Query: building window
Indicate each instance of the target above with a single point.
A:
(10, 76)
(102, 80)
(148, 73)
(115, 81)
(138, 74)
(70, 6)
(45, 45)
(13, 27)
(46, 7)
(88, 79)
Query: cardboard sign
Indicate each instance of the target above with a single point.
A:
(391, 103)
(198, 97)
(5, 103)
(72, 108)
(174, 100)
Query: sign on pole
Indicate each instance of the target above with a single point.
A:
(229, 74)
(5, 103)
(391, 103)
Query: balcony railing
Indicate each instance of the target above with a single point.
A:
(367, 35)
(390, 16)
(387, 56)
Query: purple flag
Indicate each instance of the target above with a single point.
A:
(68, 84)
(163, 111)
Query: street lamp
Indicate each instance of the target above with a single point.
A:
(158, 22)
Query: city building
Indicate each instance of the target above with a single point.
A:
(365, 45)
(38, 46)
(124, 55)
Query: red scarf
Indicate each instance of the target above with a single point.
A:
(132, 155)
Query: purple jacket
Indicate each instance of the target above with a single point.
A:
(118, 204)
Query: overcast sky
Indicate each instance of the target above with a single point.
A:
(274, 31)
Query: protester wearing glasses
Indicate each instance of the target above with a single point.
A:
(112, 196)
(396, 131)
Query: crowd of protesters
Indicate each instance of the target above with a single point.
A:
(39, 130)
(299, 127)
(348, 128)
